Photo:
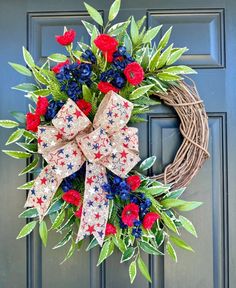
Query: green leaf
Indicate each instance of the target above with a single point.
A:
(176, 193)
(134, 31)
(104, 253)
(171, 203)
(31, 147)
(28, 58)
(87, 94)
(8, 124)
(155, 191)
(154, 60)
(150, 34)
(77, 53)
(132, 271)
(140, 91)
(141, 21)
(21, 69)
(27, 229)
(118, 28)
(147, 163)
(181, 69)
(171, 251)
(17, 154)
(19, 116)
(26, 186)
(42, 92)
(30, 135)
(143, 269)
(29, 213)
(93, 243)
(128, 43)
(165, 39)
(70, 251)
(164, 56)
(119, 243)
(89, 27)
(148, 248)
(168, 77)
(114, 10)
(43, 232)
(56, 206)
(169, 222)
(40, 77)
(26, 87)
(174, 56)
(127, 255)
(188, 206)
(16, 135)
(181, 243)
(59, 220)
(159, 237)
(65, 240)
(188, 225)
(30, 167)
(57, 57)
(94, 14)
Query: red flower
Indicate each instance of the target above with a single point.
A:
(134, 73)
(72, 197)
(149, 219)
(129, 214)
(110, 229)
(105, 87)
(84, 106)
(67, 38)
(134, 182)
(56, 69)
(32, 122)
(106, 43)
(78, 213)
(41, 106)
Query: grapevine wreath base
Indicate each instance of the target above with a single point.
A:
(195, 131)
(82, 151)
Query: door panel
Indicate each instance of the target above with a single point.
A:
(207, 28)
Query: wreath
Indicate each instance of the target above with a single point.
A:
(81, 155)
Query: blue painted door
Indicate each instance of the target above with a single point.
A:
(208, 29)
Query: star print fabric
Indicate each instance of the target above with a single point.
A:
(71, 141)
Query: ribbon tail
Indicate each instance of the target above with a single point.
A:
(95, 205)
(43, 190)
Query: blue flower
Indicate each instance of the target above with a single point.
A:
(117, 180)
(137, 223)
(66, 185)
(73, 90)
(84, 72)
(110, 196)
(137, 232)
(118, 81)
(89, 56)
(106, 187)
(53, 108)
(122, 225)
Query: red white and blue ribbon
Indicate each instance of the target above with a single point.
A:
(72, 139)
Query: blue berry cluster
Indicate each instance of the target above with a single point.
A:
(67, 183)
(73, 76)
(115, 74)
(53, 108)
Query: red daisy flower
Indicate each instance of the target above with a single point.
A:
(110, 229)
(32, 122)
(105, 87)
(84, 106)
(149, 219)
(72, 197)
(67, 38)
(134, 73)
(133, 182)
(78, 213)
(56, 69)
(129, 214)
(41, 106)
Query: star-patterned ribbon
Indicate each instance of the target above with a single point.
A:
(72, 140)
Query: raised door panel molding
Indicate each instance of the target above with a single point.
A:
(43, 26)
(209, 186)
(202, 31)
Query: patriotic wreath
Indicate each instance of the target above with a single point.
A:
(81, 155)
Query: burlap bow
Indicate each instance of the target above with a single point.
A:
(73, 139)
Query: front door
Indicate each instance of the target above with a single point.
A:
(207, 28)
